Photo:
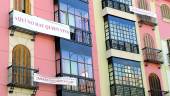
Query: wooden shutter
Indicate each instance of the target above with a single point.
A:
(27, 7)
(21, 58)
(17, 5)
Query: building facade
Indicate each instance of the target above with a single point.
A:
(109, 47)
(30, 46)
(132, 54)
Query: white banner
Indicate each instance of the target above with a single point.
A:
(34, 23)
(55, 80)
(142, 11)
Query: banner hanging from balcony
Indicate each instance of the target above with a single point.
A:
(36, 24)
(142, 12)
(55, 80)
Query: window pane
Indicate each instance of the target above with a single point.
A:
(73, 56)
(79, 36)
(82, 71)
(78, 22)
(82, 85)
(74, 69)
(71, 20)
(88, 60)
(89, 72)
(81, 58)
(65, 54)
(66, 66)
(63, 7)
(63, 18)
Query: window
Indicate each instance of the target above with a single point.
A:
(80, 67)
(148, 41)
(143, 4)
(165, 10)
(21, 61)
(23, 6)
(120, 34)
(77, 17)
(155, 85)
(122, 5)
(125, 77)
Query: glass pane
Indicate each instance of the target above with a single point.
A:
(63, 18)
(78, 22)
(81, 58)
(79, 36)
(66, 66)
(74, 69)
(71, 20)
(63, 7)
(89, 72)
(70, 9)
(82, 85)
(65, 54)
(73, 56)
(82, 71)
(88, 60)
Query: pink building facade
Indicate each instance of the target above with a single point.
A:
(45, 53)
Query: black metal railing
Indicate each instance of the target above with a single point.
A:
(84, 85)
(126, 90)
(121, 45)
(152, 55)
(21, 77)
(156, 92)
(168, 56)
(147, 20)
(116, 5)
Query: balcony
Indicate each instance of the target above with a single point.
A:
(85, 87)
(147, 20)
(152, 55)
(121, 45)
(32, 25)
(21, 77)
(157, 92)
(116, 5)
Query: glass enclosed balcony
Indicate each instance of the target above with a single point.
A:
(117, 4)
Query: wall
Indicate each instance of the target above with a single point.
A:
(45, 48)
(94, 49)
(4, 35)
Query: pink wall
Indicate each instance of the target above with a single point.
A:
(94, 49)
(150, 68)
(4, 41)
(163, 26)
(45, 48)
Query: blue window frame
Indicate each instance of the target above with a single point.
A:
(120, 34)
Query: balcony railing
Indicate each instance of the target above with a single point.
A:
(21, 77)
(85, 86)
(152, 55)
(168, 56)
(147, 20)
(157, 92)
(116, 5)
(121, 45)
